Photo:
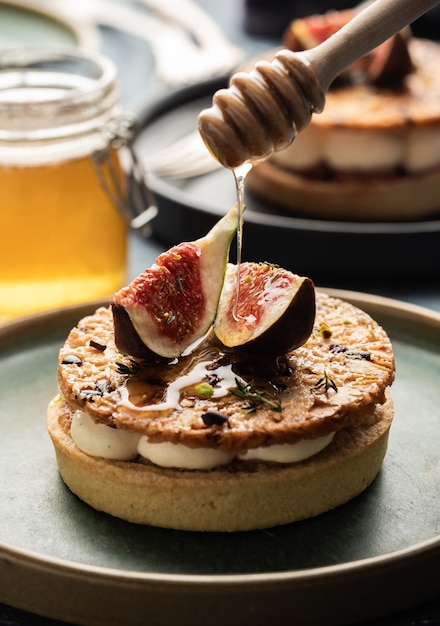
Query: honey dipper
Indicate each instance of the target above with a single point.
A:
(261, 111)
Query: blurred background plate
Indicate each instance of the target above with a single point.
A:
(30, 23)
(318, 248)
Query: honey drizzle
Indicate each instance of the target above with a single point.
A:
(240, 174)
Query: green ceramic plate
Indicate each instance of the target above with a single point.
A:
(378, 553)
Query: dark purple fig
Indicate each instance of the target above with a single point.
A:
(274, 312)
(171, 305)
(391, 62)
(126, 338)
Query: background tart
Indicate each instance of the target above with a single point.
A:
(372, 154)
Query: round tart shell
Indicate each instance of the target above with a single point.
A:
(393, 199)
(229, 498)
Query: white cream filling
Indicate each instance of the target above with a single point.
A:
(102, 440)
(305, 152)
(352, 150)
(422, 149)
(111, 443)
(348, 149)
(289, 452)
(167, 454)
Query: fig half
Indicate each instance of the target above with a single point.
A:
(172, 304)
(273, 314)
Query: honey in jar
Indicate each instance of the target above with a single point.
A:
(63, 240)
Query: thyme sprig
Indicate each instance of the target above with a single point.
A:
(129, 369)
(326, 383)
(179, 282)
(255, 396)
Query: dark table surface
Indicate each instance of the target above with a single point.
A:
(254, 25)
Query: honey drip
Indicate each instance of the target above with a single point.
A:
(240, 177)
(261, 112)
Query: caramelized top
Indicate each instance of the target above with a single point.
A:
(333, 381)
(415, 103)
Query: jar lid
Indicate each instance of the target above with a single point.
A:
(54, 92)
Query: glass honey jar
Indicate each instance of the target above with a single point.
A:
(63, 240)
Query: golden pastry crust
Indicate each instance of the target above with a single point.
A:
(226, 499)
(363, 198)
(347, 348)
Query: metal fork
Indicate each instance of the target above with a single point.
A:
(186, 158)
(207, 50)
(187, 44)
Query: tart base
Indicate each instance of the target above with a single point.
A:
(224, 499)
(393, 199)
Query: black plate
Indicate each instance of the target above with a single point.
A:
(318, 248)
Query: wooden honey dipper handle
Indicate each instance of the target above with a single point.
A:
(368, 29)
(263, 110)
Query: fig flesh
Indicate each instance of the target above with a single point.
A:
(274, 313)
(304, 33)
(172, 305)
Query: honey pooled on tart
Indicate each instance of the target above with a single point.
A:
(214, 398)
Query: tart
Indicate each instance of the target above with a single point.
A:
(373, 154)
(214, 441)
